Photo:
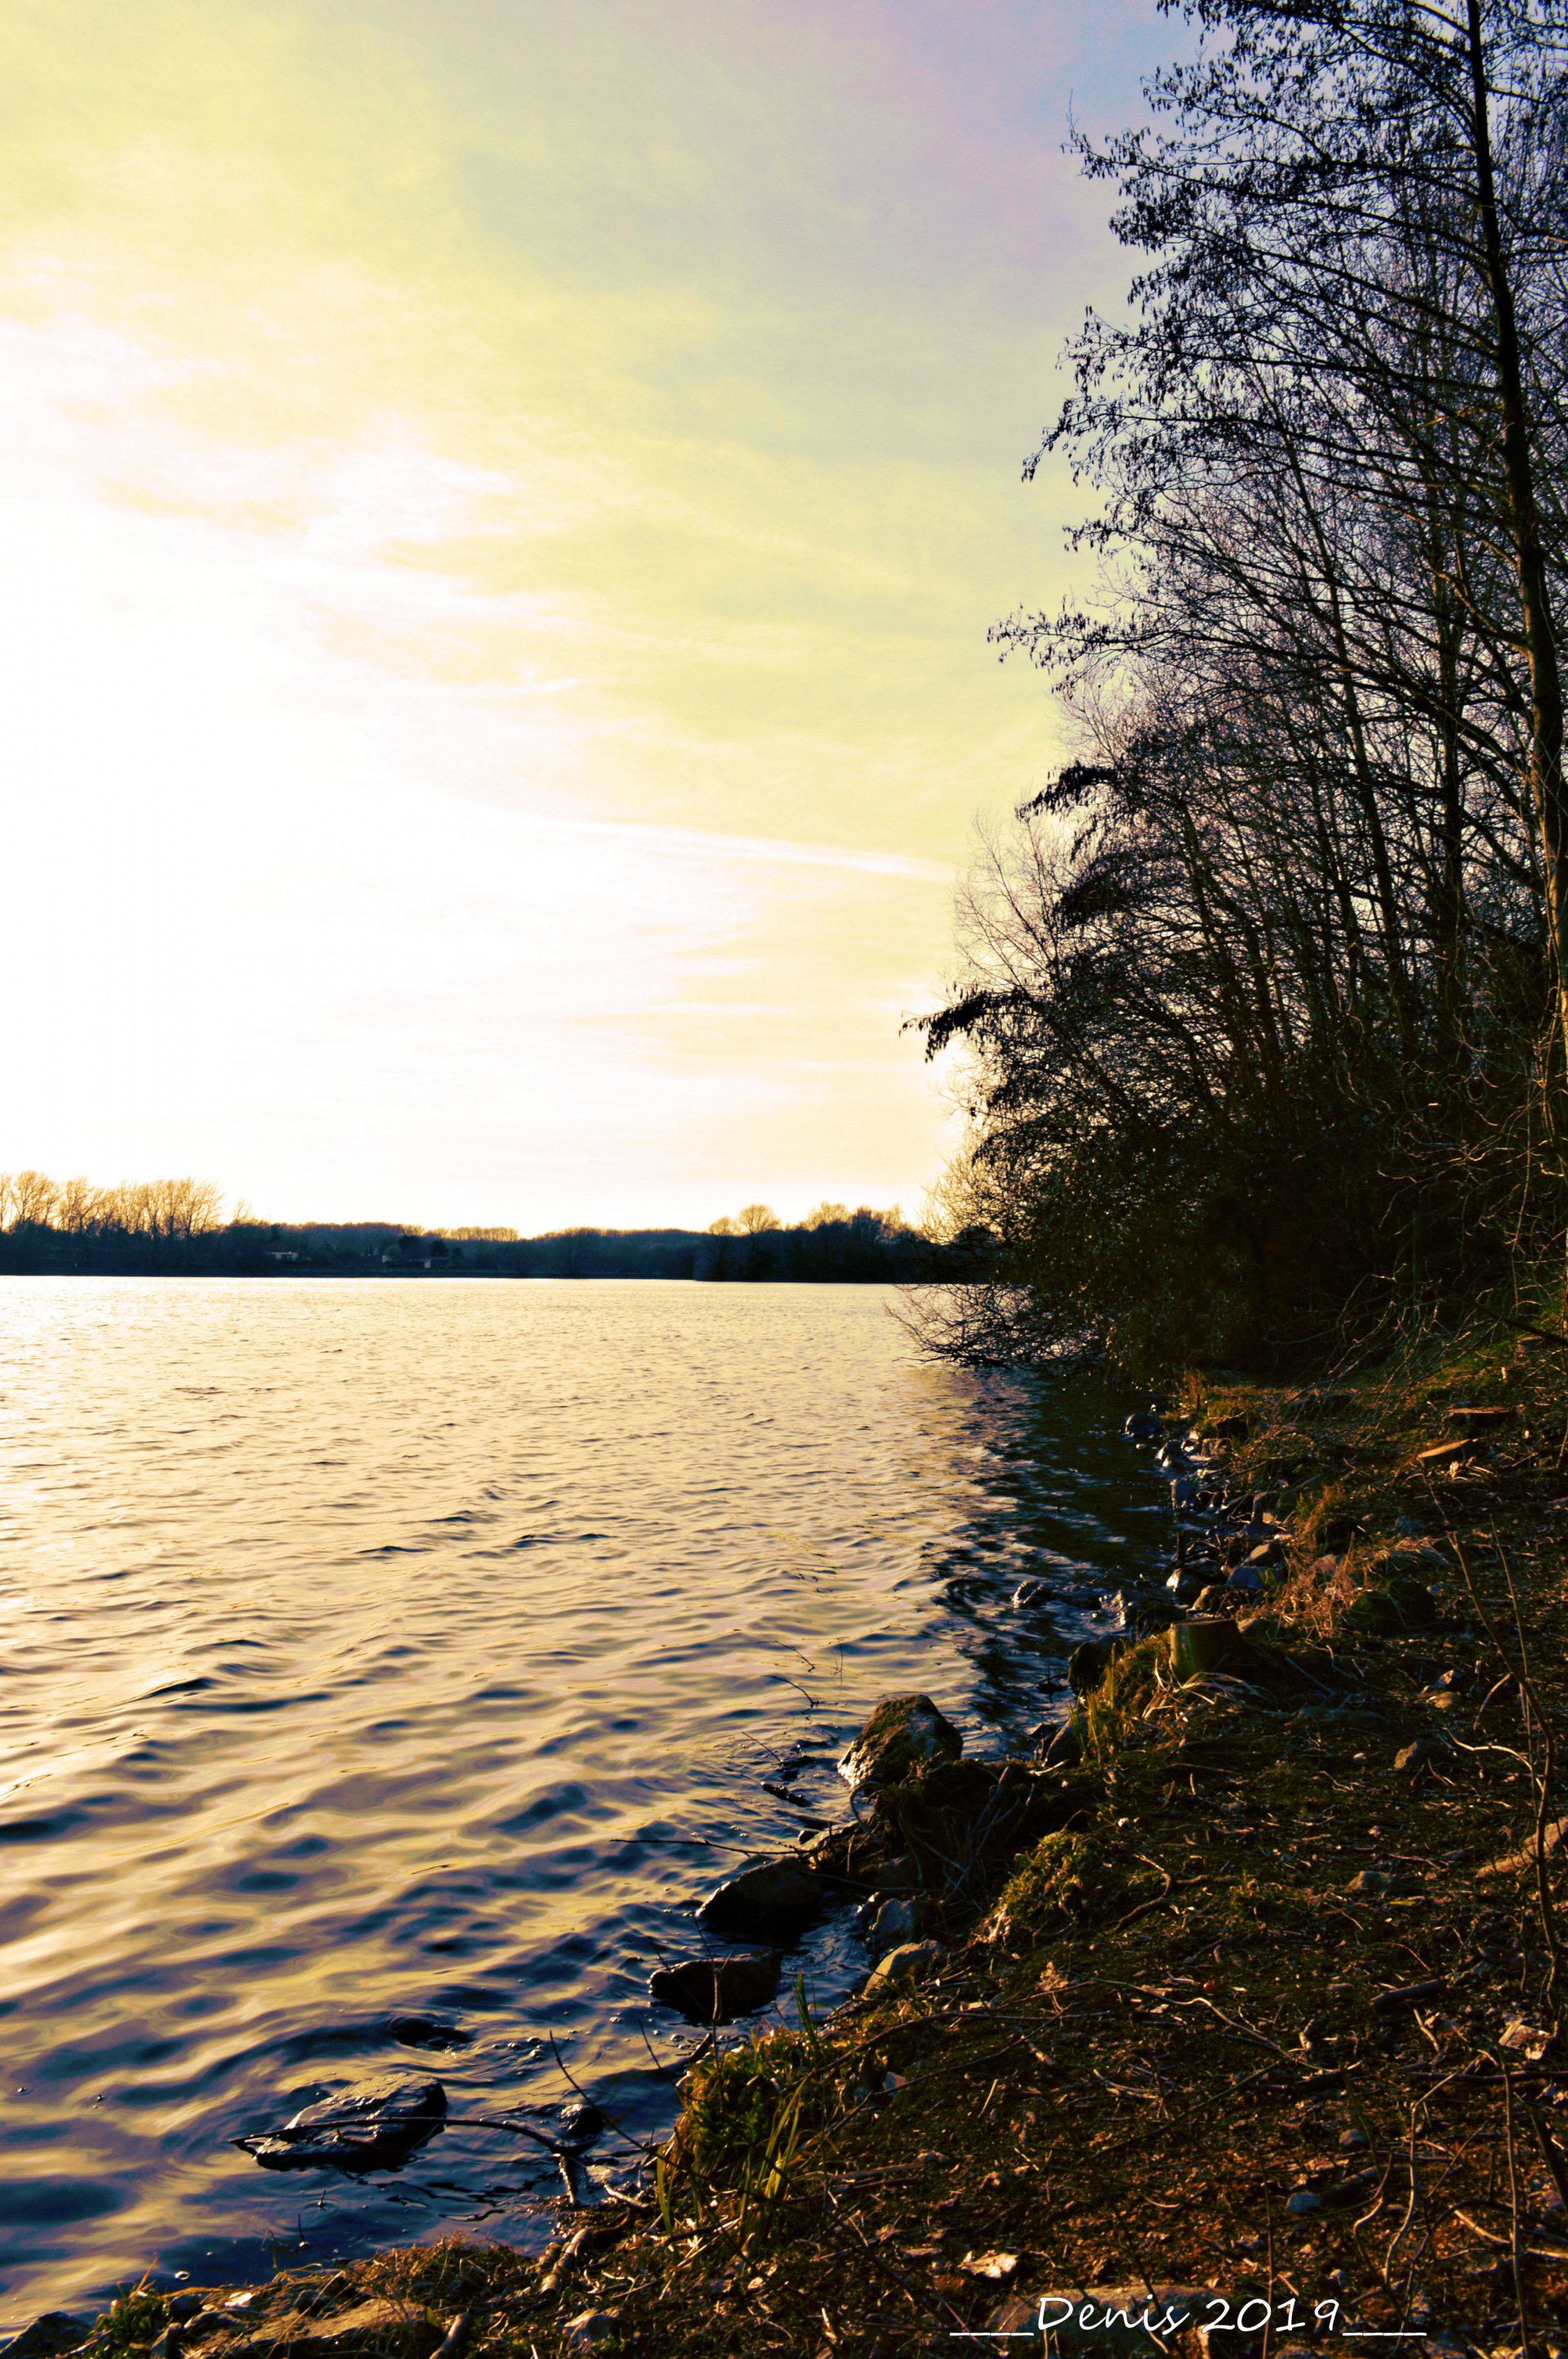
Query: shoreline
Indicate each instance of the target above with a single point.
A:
(1262, 2009)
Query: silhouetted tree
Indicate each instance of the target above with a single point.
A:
(1256, 993)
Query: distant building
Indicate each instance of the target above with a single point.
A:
(414, 1252)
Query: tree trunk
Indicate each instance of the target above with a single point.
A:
(1524, 517)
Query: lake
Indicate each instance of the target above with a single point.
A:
(382, 1647)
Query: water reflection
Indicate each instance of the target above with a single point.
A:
(376, 1651)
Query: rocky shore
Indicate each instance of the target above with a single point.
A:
(1226, 2018)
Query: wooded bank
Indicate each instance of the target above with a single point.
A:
(1263, 1005)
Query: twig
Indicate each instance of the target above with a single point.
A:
(1523, 1327)
(1142, 1910)
(1552, 2152)
(1513, 2207)
(1534, 1716)
(1242, 2030)
(1536, 2252)
(456, 2340)
(916, 2295)
(642, 2145)
(676, 2071)
(301, 2136)
(1377, 2203)
(1409, 2207)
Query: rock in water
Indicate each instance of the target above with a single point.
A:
(428, 2031)
(1058, 1748)
(48, 2336)
(904, 1734)
(893, 1922)
(365, 2130)
(1142, 1615)
(716, 1990)
(1087, 1667)
(771, 1900)
(907, 1964)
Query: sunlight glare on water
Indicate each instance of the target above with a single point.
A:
(370, 1647)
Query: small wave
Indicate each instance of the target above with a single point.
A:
(44, 1826)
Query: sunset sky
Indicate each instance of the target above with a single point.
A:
(503, 506)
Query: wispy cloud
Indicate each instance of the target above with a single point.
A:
(504, 506)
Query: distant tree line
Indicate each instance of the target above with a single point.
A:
(831, 1243)
(163, 1210)
(174, 1226)
(1265, 997)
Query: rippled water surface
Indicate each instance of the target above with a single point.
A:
(394, 1647)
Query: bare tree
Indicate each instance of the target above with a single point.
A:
(74, 1206)
(34, 1197)
(1255, 997)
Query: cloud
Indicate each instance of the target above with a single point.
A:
(504, 507)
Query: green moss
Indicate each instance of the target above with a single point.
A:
(1254, 1904)
(1106, 1718)
(1066, 1880)
(129, 2325)
(733, 2102)
(748, 2116)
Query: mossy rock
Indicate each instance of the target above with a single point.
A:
(1392, 1608)
(959, 1822)
(1214, 1644)
(1253, 1904)
(904, 1734)
(1070, 1878)
(739, 2103)
(1373, 1614)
